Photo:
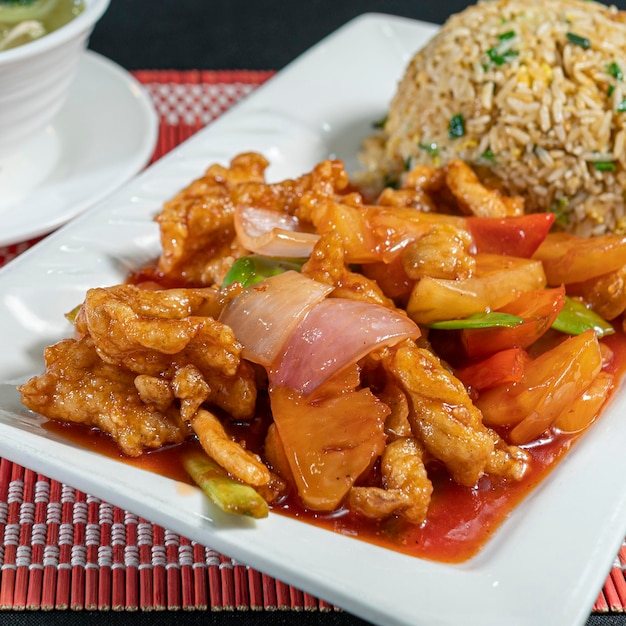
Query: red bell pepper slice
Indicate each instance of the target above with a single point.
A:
(506, 366)
(513, 236)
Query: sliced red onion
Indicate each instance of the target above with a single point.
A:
(335, 333)
(264, 315)
(272, 233)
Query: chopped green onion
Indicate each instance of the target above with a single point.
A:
(488, 155)
(575, 318)
(225, 492)
(577, 40)
(408, 164)
(604, 166)
(252, 269)
(508, 35)
(621, 107)
(456, 127)
(432, 148)
(479, 320)
(610, 90)
(500, 57)
(615, 71)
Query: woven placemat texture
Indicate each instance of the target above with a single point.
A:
(64, 549)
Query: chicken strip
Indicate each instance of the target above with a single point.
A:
(237, 461)
(157, 333)
(476, 199)
(444, 418)
(327, 265)
(444, 252)
(79, 387)
(197, 225)
(406, 487)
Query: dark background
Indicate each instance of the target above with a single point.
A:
(235, 34)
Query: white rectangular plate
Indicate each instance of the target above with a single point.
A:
(546, 563)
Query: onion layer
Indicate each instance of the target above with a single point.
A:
(334, 334)
(272, 233)
(264, 315)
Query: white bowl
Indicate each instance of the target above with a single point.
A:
(34, 77)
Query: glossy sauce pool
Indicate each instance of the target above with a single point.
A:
(460, 519)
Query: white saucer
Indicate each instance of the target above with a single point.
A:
(104, 134)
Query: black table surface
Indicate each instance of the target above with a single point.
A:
(238, 34)
(235, 34)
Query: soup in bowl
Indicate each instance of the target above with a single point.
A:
(36, 71)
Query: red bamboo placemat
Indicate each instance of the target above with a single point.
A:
(64, 549)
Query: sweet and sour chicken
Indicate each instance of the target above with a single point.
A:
(358, 323)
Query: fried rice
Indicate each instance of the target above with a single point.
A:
(532, 94)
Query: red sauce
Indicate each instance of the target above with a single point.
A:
(460, 519)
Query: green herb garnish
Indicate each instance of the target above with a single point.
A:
(621, 107)
(488, 155)
(615, 71)
(456, 127)
(508, 35)
(604, 166)
(432, 148)
(500, 57)
(391, 182)
(577, 40)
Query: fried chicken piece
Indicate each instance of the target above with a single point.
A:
(444, 253)
(154, 390)
(326, 180)
(157, 333)
(327, 265)
(191, 389)
(444, 419)
(196, 226)
(414, 198)
(476, 199)
(505, 460)
(376, 502)
(422, 188)
(397, 422)
(426, 178)
(406, 487)
(228, 453)
(79, 387)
